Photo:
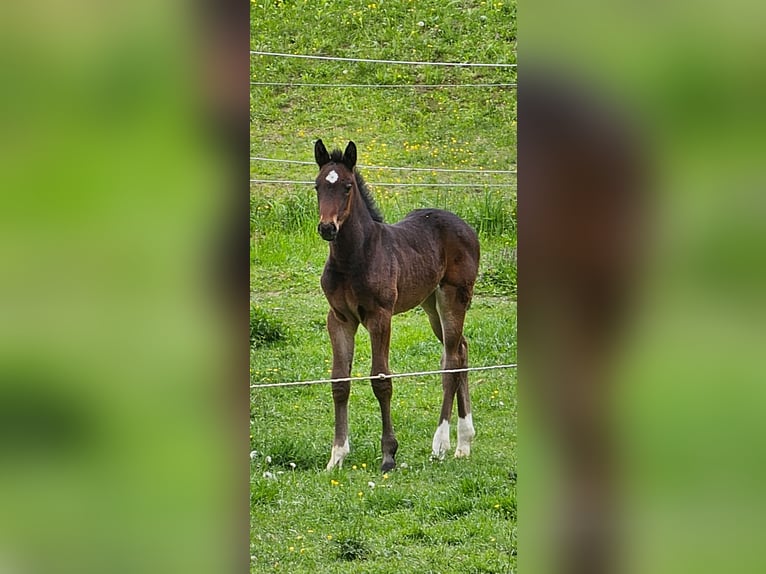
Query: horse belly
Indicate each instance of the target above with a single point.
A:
(415, 288)
(419, 264)
(407, 303)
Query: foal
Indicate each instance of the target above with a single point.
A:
(374, 271)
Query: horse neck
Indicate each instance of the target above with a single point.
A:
(353, 234)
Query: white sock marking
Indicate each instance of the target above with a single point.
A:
(440, 443)
(332, 177)
(337, 455)
(465, 434)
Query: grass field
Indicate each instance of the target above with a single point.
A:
(439, 517)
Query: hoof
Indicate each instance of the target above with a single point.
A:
(463, 451)
(465, 434)
(440, 444)
(338, 454)
(388, 465)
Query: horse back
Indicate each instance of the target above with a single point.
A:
(457, 239)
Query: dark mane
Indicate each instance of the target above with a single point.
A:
(372, 207)
(337, 157)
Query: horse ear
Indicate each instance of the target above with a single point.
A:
(320, 153)
(349, 156)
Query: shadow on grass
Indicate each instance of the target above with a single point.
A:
(351, 548)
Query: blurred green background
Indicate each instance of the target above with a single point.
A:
(113, 446)
(691, 394)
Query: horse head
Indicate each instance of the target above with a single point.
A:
(334, 186)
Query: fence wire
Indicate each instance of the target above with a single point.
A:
(383, 184)
(378, 61)
(422, 86)
(380, 376)
(386, 167)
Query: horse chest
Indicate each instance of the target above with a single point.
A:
(353, 294)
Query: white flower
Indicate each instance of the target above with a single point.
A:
(253, 454)
(268, 474)
(421, 23)
(404, 465)
(292, 465)
(268, 460)
(371, 484)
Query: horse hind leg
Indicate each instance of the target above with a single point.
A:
(342, 339)
(441, 443)
(465, 429)
(451, 308)
(429, 306)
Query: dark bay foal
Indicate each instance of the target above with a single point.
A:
(374, 271)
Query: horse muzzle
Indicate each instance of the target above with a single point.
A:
(328, 231)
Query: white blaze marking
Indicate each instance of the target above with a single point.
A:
(332, 177)
(440, 443)
(338, 454)
(465, 434)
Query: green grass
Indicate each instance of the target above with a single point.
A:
(264, 329)
(429, 517)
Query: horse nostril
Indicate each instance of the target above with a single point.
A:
(328, 231)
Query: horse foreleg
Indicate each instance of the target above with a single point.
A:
(379, 327)
(342, 338)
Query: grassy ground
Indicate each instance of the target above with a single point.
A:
(451, 516)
